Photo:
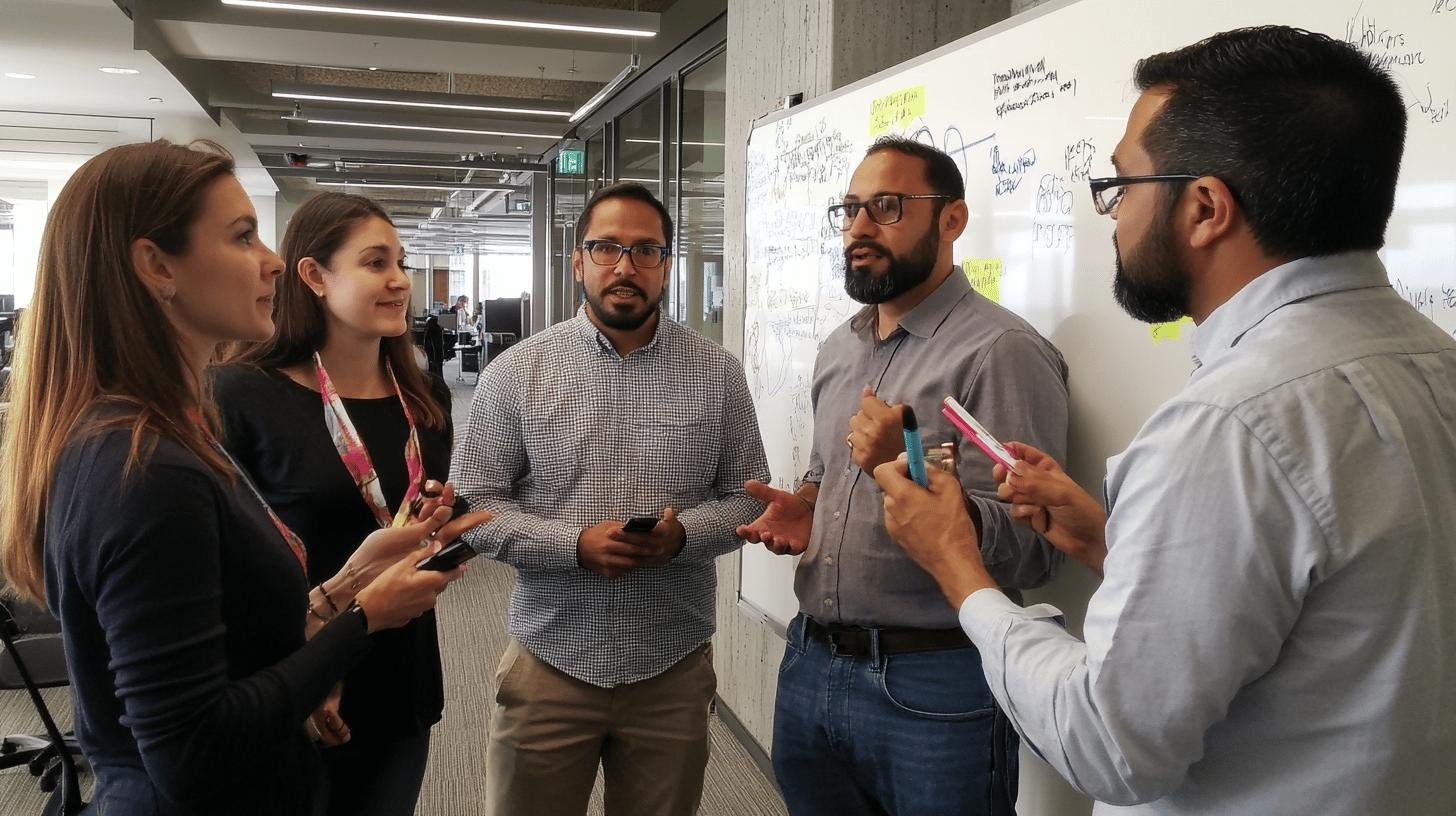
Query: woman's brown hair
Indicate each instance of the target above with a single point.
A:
(317, 230)
(95, 333)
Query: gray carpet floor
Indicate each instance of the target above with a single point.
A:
(472, 619)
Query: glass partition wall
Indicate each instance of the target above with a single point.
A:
(671, 141)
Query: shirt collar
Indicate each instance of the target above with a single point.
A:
(928, 315)
(1284, 284)
(588, 331)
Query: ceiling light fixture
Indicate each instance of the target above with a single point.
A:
(393, 186)
(442, 18)
(695, 144)
(607, 90)
(19, 75)
(429, 129)
(365, 100)
(112, 69)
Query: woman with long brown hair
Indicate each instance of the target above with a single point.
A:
(181, 595)
(339, 427)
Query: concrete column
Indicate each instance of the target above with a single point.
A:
(540, 252)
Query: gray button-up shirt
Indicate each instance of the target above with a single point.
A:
(1277, 629)
(955, 343)
(564, 433)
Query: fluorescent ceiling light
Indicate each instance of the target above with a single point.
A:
(606, 90)
(695, 144)
(364, 100)
(428, 128)
(498, 22)
(19, 75)
(393, 186)
(112, 69)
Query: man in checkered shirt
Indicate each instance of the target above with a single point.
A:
(617, 413)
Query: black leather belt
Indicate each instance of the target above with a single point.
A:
(855, 641)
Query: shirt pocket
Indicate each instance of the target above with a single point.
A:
(673, 458)
(553, 450)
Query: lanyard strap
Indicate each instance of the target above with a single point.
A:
(289, 537)
(356, 457)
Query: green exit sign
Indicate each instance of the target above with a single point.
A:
(571, 162)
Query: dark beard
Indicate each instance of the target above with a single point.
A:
(901, 274)
(1156, 289)
(630, 320)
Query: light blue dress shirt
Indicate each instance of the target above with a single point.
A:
(1276, 632)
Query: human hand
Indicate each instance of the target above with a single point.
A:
(659, 545)
(599, 551)
(933, 526)
(785, 524)
(403, 592)
(1044, 498)
(327, 725)
(382, 548)
(876, 431)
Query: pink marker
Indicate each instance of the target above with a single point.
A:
(977, 433)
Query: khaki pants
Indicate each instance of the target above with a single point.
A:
(550, 730)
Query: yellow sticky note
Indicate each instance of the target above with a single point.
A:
(985, 276)
(896, 110)
(1168, 331)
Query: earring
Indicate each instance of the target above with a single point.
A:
(317, 293)
(166, 292)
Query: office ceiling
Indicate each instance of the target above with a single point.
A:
(238, 61)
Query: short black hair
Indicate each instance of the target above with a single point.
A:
(624, 189)
(940, 169)
(1307, 132)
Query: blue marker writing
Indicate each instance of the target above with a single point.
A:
(914, 451)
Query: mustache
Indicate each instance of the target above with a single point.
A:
(867, 244)
(626, 285)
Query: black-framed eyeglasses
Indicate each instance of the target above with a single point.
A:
(1106, 201)
(884, 209)
(643, 256)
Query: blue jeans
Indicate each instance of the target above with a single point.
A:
(908, 734)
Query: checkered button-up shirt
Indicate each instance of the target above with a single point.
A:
(565, 433)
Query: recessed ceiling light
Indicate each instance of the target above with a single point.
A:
(156, 99)
(374, 67)
(19, 75)
(441, 18)
(428, 129)
(112, 69)
(410, 186)
(372, 100)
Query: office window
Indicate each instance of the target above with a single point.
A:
(698, 270)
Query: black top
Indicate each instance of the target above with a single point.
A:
(275, 428)
(183, 614)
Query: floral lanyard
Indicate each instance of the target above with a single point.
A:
(291, 538)
(356, 457)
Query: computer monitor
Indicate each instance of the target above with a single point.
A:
(448, 321)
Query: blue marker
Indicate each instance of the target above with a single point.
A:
(914, 451)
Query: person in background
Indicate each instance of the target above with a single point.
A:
(337, 384)
(1274, 629)
(619, 413)
(920, 735)
(195, 648)
(435, 346)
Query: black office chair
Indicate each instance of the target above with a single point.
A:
(33, 659)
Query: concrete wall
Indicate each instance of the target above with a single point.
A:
(775, 48)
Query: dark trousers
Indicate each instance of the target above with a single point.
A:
(373, 779)
(908, 734)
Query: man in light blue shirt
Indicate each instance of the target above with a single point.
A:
(1276, 627)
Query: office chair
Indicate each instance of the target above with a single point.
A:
(33, 659)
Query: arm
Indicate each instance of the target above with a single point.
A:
(1019, 392)
(158, 590)
(711, 526)
(1199, 596)
(490, 461)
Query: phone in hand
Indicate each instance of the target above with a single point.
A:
(448, 558)
(640, 524)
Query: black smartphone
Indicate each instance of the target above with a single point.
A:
(449, 558)
(641, 524)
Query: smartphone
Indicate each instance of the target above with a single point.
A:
(640, 524)
(977, 433)
(449, 558)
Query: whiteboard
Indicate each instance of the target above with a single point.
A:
(1030, 109)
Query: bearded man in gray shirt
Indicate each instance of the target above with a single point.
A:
(882, 706)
